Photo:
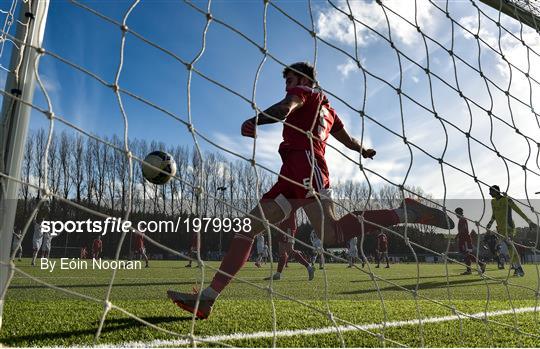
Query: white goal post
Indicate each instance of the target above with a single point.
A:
(525, 11)
(430, 78)
(14, 123)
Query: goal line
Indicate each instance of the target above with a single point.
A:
(319, 331)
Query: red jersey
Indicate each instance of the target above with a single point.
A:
(463, 235)
(382, 242)
(193, 242)
(463, 230)
(316, 116)
(97, 245)
(139, 241)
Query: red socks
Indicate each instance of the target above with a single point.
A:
(299, 256)
(282, 261)
(233, 261)
(349, 225)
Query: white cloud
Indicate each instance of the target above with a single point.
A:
(335, 25)
(346, 68)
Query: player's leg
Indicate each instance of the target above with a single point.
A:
(34, 256)
(378, 255)
(515, 260)
(387, 259)
(145, 257)
(467, 257)
(336, 232)
(258, 260)
(234, 259)
(19, 253)
(192, 255)
(283, 257)
(299, 257)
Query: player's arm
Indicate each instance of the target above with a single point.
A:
(275, 113)
(352, 143)
(491, 220)
(519, 212)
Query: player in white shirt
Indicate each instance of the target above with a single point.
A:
(260, 250)
(266, 254)
(46, 245)
(317, 244)
(353, 251)
(16, 247)
(37, 241)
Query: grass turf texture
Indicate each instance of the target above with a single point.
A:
(35, 315)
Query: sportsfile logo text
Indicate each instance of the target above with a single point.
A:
(110, 224)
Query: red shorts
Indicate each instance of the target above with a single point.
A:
(296, 169)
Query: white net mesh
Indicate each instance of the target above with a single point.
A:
(446, 93)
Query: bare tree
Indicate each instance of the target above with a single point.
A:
(27, 168)
(89, 167)
(102, 168)
(66, 144)
(41, 140)
(78, 167)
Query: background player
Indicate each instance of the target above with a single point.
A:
(317, 249)
(465, 244)
(266, 253)
(37, 240)
(84, 252)
(502, 207)
(260, 250)
(303, 175)
(97, 247)
(382, 249)
(46, 246)
(286, 249)
(491, 243)
(353, 252)
(140, 251)
(16, 247)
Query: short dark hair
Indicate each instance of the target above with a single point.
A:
(303, 67)
(458, 210)
(495, 187)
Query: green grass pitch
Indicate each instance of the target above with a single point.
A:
(35, 315)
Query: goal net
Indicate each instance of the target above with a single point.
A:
(446, 93)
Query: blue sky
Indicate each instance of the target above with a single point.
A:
(92, 43)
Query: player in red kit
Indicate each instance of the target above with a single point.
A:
(382, 249)
(97, 247)
(465, 243)
(139, 247)
(310, 120)
(286, 249)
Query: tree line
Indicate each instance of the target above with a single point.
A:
(95, 175)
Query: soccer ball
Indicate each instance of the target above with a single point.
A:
(161, 160)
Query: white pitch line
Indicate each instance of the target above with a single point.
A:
(313, 331)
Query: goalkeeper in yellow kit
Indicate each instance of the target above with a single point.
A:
(502, 207)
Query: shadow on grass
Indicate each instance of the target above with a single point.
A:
(426, 285)
(414, 278)
(110, 326)
(116, 284)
